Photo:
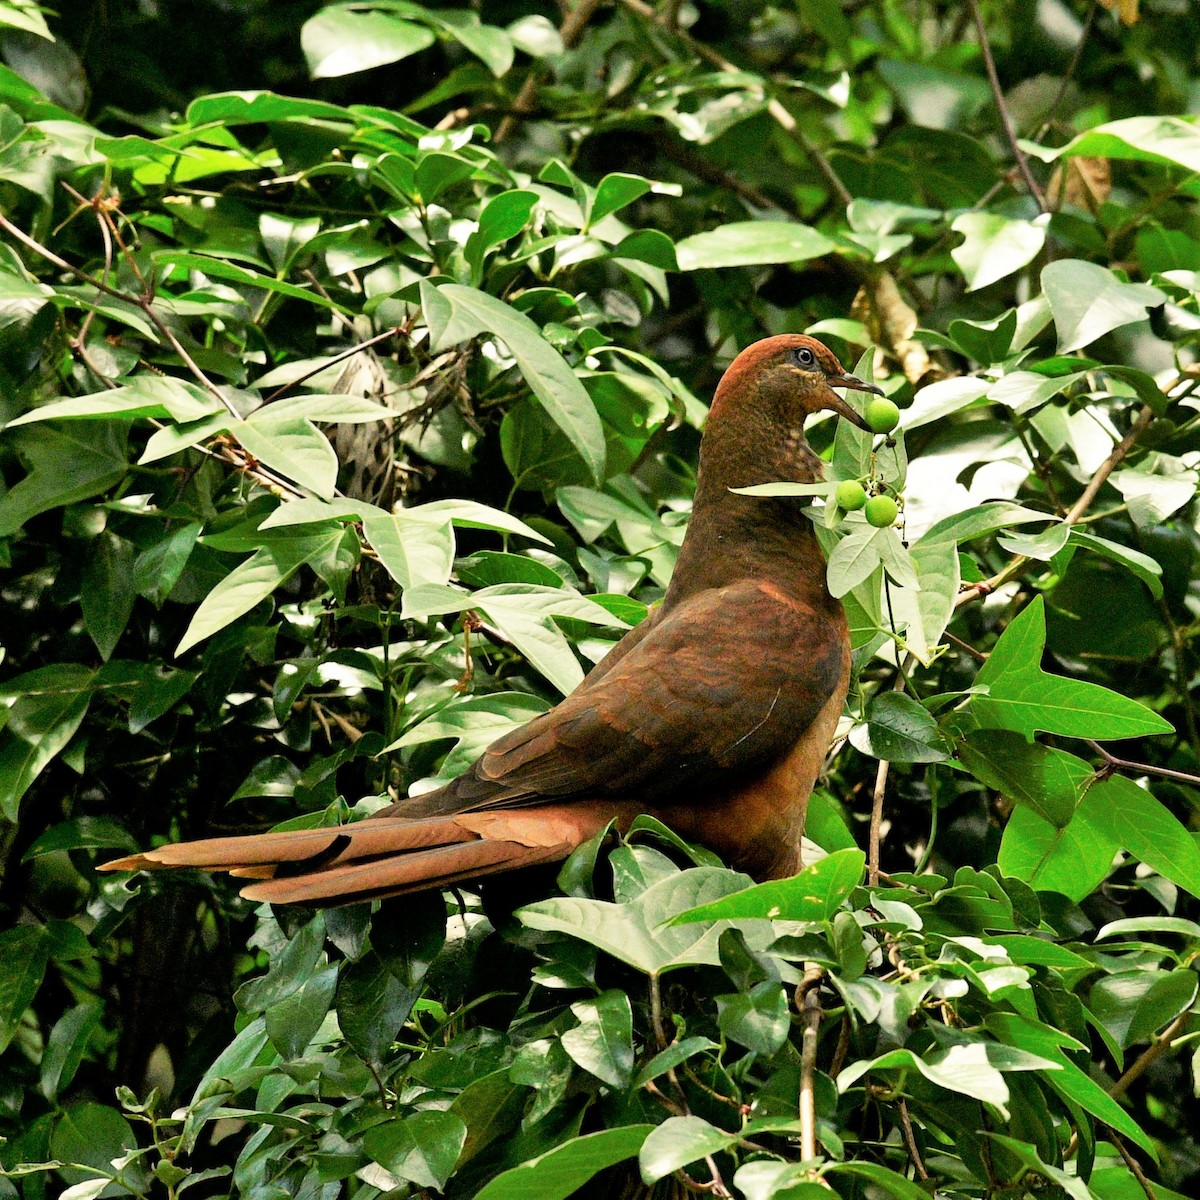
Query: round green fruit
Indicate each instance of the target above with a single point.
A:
(851, 495)
(882, 415)
(881, 511)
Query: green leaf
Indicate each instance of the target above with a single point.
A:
(66, 1046)
(1050, 781)
(372, 1005)
(995, 246)
(340, 407)
(456, 314)
(294, 1021)
(1134, 561)
(1134, 1005)
(289, 972)
(65, 466)
(613, 193)
(973, 1069)
(561, 1172)
(219, 268)
(1148, 830)
(1161, 139)
(1072, 1185)
(1072, 860)
(673, 1056)
(294, 447)
(940, 399)
(758, 1019)
(253, 581)
(898, 729)
(340, 40)
(1088, 301)
(602, 1042)
(762, 1179)
(877, 1174)
(82, 833)
(422, 1148)
(412, 551)
(26, 951)
(107, 594)
(812, 895)
(158, 396)
(853, 559)
(1023, 697)
(1069, 1081)
(639, 933)
(503, 217)
(25, 756)
(489, 44)
(679, 1141)
(751, 243)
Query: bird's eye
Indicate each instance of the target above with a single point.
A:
(804, 356)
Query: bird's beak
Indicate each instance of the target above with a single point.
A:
(840, 406)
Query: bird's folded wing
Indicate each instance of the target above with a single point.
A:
(724, 681)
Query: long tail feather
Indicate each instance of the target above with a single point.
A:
(397, 874)
(375, 835)
(380, 856)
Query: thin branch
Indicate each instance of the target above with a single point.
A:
(1138, 1067)
(808, 1000)
(1110, 464)
(143, 302)
(394, 331)
(1006, 120)
(881, 776)
(571, 30)
(1080, 507)
(781, 116)
(656, 1021)
(1135, 1168)
(1113, 763)
(1069, 74)
(910, 1140)
(841, 1049)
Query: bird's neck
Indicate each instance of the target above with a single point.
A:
(732, 537)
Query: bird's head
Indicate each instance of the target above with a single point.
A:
(793, 375)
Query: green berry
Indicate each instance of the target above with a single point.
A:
(851, 495)
(881, 511)
(882, 415)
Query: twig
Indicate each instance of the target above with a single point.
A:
(881, 775)
(876, 821)
(1135, 1168)
(143, 302)
(781, 116)
(1005, 116)
(656, 1021)
(966, 647)
(808, 1000)
(394, 331)
(352, 732)
(909, 1140)
(1113, 763)
(571, 30)
(1110, 464)
(841, 1049)
(1138, 1067)
(1080, 507)
(1069, 74)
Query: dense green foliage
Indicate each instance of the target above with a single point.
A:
(512, 253)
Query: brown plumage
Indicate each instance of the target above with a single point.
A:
(714, 714)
